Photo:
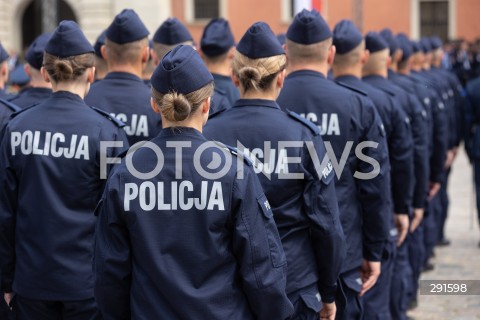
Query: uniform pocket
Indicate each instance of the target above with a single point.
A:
(274, 243)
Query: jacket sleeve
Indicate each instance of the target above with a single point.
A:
(8, 208)
(401, 160)
(374, 189)
(440, 140)
(321, 208)
(419, 126)
(112, 262)
(258, 249)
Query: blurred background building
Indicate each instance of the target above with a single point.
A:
(22, 20)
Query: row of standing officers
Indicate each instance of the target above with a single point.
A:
(345, 242)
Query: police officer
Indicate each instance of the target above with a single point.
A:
(50, 186)
(38, 90)
(170, 34)
(101, 68)
(305, 206)
(204, 245)
(122, 93)
(347, 69)
(347, 122)
(4, 71)
(472, 133)
(218, 45)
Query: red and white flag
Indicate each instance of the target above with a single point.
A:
(299, 5)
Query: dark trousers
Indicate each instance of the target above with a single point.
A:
(401, 282)
(31, 309)
(349, 304)
(416, 253)
(376, 301)
(476, 168)
(441, 207)
(430, 229)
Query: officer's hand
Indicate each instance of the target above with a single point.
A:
(8, 297)
(417, 219)
(328, 311)
(369, 273)
(434, 188)
(450, 158)
(401, 223)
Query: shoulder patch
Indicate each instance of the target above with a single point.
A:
(305, 122)
(235, 152)
(349, 87)
(115, 121)
(10, 105)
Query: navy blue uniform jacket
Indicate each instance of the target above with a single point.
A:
(347, 120)
(127, 97)
(30, 96)
(187, 246)
(305, 209)
(49, 187)
(399, 140)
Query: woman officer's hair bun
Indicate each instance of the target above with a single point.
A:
(181, 83)
(175, 107)
(250, 77)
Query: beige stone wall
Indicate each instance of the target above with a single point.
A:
(93, 16)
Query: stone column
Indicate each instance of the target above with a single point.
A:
(49, 15)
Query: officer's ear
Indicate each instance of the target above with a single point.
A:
(27, 69)
(331, 54)
(103, 51)
(281, 78)
(45, 76)
(206, 106)
(156, 61)
(91, 75)
(389, 61)
(154, 106)
(235, 80)
(365, 56)
(231, 53)
(145, 54)
(4, 70)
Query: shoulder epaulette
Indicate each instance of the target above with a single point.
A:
(23, 110)
(235, 152)
(10, 105)
(390, 93)
(305, 122)
(349, 87)
(117, 122)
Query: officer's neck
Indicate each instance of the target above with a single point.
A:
(76, 87)
(126, 68)
(354, 70)
(264, 95)
(194, 122)
(404, 71)
(222, 68)
(318, 67)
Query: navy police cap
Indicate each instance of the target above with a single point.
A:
(281, 37)
(346, 36)
(172, 32)
(388, 36)
(405, 45)
(181, 70)
(3, 54)
(435, 42)
(374, 42)
(259, 42)
(34, 55)
(217, 38)
(416, 47)
(68, 41)
(99, 43)
(308, 27)
(425, 43)
(126, 27)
